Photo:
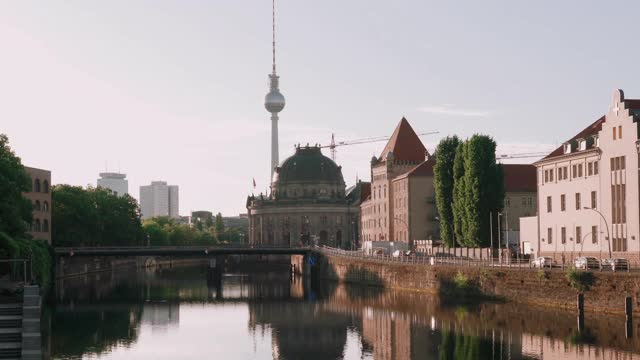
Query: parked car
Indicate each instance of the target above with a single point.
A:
(396, 254)
(587, 262)
(544, 261)
(616, 264)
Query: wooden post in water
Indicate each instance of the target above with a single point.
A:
(628, 310)
(580, 312)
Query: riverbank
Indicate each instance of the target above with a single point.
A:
(603, 291)
(80, 266)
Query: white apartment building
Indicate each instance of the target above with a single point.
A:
(159, 199)
(116, 182)
(588, 190)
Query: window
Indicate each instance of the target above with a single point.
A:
(578, 206)
(563, 202)
(614, 132)
(619, 131)
(550, 235)
(578, 234)
(546, 176)
(563, 235)
(594, 234)
(323, 220)
(36, 226)
(36, 185)
(45, 187)
(551, 175)
(45, 225)
(45, 206)
(590, 169)
(37, 205)
(579, 170)
(575, 171)
(622, 163)
(549, 204)
(523, 202)
(385, 191)
(595, 168)
(594, 201)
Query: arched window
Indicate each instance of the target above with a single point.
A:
(36, 185)
(36, 226)
(45, 186)
(45, 225)
(37, 205)
(45, 206)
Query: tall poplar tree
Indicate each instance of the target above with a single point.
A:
(444, 185)
(483, 189)
(459, 203)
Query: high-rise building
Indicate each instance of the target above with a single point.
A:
(116, 182)
(274, 101)
(159, 199)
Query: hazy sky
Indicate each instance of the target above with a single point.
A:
(174, 90)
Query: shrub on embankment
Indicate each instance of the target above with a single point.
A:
(39, 253)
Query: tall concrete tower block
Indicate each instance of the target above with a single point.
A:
(274, 101)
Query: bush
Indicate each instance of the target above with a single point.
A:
(579, 280)
(542, 275)
(461, 280)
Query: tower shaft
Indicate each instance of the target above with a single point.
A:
(274, 142)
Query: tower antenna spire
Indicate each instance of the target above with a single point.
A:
(273, 33)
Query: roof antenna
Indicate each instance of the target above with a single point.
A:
(273, 33)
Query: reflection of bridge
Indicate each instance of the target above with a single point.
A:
(180, 250)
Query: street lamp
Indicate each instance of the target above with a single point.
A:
(606, 225)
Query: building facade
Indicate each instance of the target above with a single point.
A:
(588, 189)
(401, 207)
(307, 204)
(520, 199)
(116, 182)
(40, 196)
(159, 199)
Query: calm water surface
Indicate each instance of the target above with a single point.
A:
(185, 313)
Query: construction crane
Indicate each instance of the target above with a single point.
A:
(522, 155)
(335, 144)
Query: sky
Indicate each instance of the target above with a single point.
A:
(174, 90)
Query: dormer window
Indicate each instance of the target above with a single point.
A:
(567, 148)
(596, 141)
(582, 144)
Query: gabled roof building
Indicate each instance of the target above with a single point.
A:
(588, 190)
(401, 206)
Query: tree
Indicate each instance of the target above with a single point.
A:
(444, 185)
(219, 226)
(15, 210)
(94, 217)
(459, 203)
(483, 186)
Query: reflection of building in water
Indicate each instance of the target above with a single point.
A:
(301, 330)
(388, 333)
(161, 315)
(272, 287)
(538, 347)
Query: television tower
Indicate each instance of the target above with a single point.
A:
(274, 101)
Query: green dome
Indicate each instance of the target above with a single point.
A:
(308, 165)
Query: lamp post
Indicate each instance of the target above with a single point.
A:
(606, 225)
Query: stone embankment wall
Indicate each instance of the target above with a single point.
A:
(545, 288)
(75, 266)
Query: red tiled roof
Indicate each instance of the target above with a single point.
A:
(632, 103)
(424, 169)
(519, 177)
(405, 144)
(590, 130)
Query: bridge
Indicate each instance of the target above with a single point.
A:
(180, 251)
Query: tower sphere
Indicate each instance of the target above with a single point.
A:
(274, 101)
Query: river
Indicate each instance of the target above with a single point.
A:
(186, 313)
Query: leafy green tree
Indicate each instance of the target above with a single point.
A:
(219, 226)
(459, 200)
(94, 217)
(15, 210)
(483, 189)
(444, 185)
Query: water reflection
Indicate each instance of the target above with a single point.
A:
(186, 313)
